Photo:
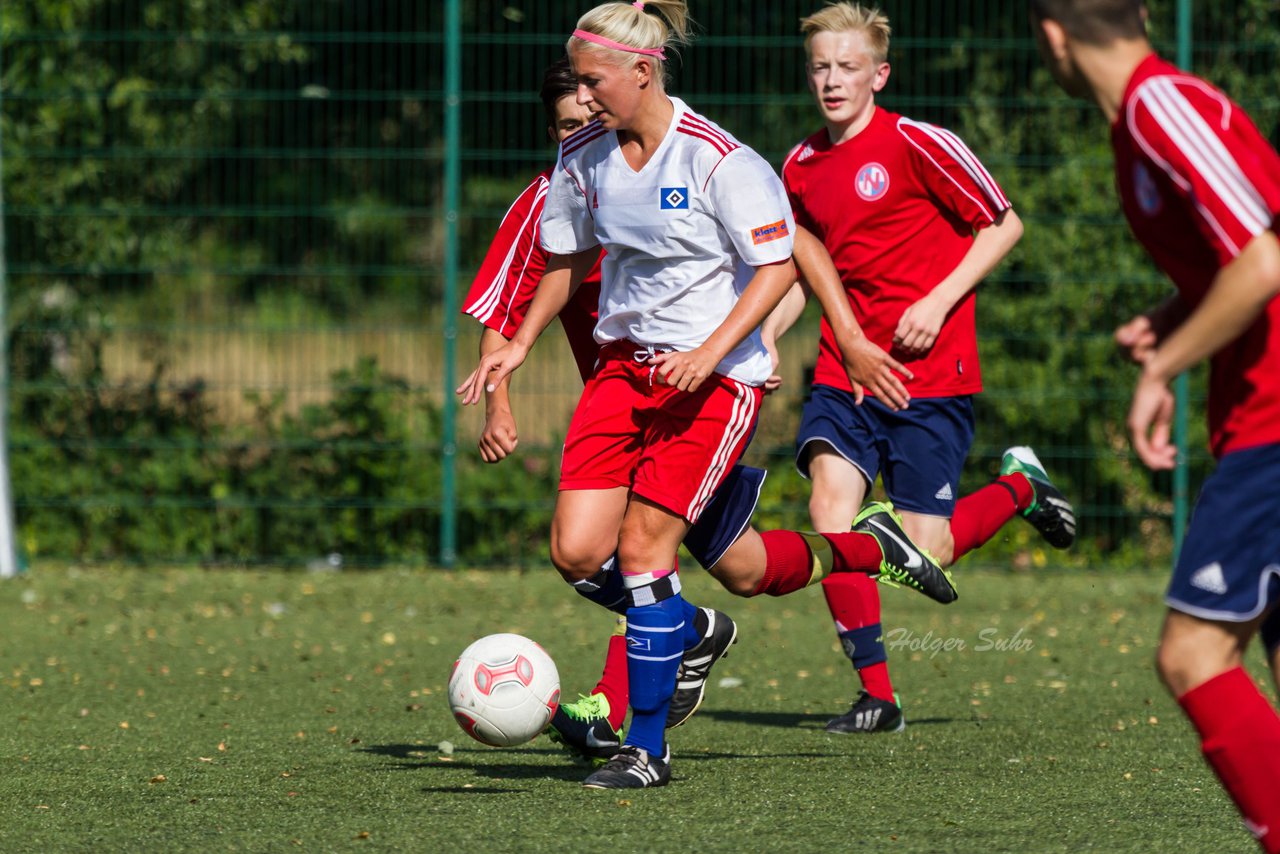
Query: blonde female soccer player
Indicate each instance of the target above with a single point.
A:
(698, 237)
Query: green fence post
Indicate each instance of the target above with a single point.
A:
(452, 182)
(1181, 386)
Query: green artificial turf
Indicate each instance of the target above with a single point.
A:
(224, 710)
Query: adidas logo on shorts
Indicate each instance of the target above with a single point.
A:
(944, 494)
(1210, 578)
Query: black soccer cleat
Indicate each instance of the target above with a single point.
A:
(1050, 513)
(869, 714)
(695, 667)
(583, 728)
(631, 768)
(903, 562)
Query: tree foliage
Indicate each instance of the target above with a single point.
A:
(208, 161)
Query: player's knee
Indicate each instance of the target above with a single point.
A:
(740, 581)
(1184, 661)
(575, 561)
(830, 512)
(1171, 667)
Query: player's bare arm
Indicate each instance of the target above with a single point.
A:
(1140, 336)
(498, 438)
(866, 364)
(1238, 295)
(776, 324)
(563, 275)
(688, 370)
(920, 324)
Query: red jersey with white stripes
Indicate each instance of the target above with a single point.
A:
(1197, 182)
(513, 266)
(897, 208)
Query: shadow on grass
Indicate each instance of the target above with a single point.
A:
(418, 757)
(796, 720)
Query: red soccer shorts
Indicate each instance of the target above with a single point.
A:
(668, 446)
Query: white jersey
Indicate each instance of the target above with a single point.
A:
(681, 235)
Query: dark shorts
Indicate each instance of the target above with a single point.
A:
(919, 452)
(1229, 566)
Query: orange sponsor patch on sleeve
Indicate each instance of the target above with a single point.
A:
(772, 231)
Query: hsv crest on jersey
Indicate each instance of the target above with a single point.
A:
(673, 198)
(1145, 190)
(872, 181)
(772, 231)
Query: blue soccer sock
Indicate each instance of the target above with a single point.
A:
(605, 588)
(655, 645)
(865, 648)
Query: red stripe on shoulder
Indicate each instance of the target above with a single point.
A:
(706, 127)
(581, 137)
(714, 143)
(694, 127)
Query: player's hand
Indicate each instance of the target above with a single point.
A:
(775, 379)
(919, 326)
(870, 366)
(685, 371)
(1138, 338)
(1151, 423)
(492, 370)
(498, 439)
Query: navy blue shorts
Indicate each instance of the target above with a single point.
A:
(1229, 566)
(727, 515)
(919, 452)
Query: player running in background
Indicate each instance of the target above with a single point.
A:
(1200, 187)
(699, 238)
(913, 222)
(499, 297)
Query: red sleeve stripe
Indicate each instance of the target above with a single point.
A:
(962, 154)
(503, 286)
(1206, 153)
(697, 122)
(718, 142)
(581, 137)
(709, 140)
(985, 209)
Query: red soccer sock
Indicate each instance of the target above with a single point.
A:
(979, 515)
(853, 551)
(613, 681)
(788, 563)
(1240, 739)
(875, 681)
(789, 560)
(854, 602)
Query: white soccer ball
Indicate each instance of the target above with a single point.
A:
(504, 689)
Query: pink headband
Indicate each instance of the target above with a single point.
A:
(610, 43)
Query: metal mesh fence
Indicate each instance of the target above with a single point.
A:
(225, 266)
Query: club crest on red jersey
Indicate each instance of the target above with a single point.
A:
(872, 182)
(1145, 190)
